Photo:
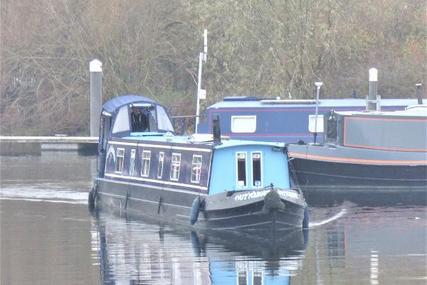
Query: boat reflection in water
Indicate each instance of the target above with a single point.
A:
(144, 252)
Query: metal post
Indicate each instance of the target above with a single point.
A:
(95, 68)
(202, 58)
(373, 83)
(199, 87)
(318, 85)
(418, 93)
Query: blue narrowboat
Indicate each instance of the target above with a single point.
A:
(280, 120)
(199, 180)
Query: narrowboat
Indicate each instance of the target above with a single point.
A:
(280, 120)
(373, 151)
(201, 181)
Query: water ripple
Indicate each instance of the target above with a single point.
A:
(328, 220)
(43, 193)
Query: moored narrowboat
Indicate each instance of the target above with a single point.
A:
(204, 181)
(252, 118)
(367, 152)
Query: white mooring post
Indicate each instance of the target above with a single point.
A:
(201, 93)
(318, 85)
(418, 93)
(373, 85)
(95, 68)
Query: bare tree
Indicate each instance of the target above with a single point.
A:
(262, 48)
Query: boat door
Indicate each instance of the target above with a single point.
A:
(104, 131)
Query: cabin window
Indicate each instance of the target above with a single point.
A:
(175, 166)
(257, 278)
(160, 165)
(241, 169)
(196, 169)
(139, 119)
(256, 169)
(242, 278)
(120, 158)
(132, 162)
(313, 126)
(163, 120)
(121, 124)
(243, 124)
(145, 163)
(152, 119)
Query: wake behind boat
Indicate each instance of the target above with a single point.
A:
(145, 170)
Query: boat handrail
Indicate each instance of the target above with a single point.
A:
(288, 101)
(195, 138)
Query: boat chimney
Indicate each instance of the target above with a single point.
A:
(95, 68)
(216, 130)
(418, 93)
(373, 83)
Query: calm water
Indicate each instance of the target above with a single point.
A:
(48, 237)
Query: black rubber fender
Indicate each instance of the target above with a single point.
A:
(306, 220)
(272, 202)
(195, 209)
(91, 200)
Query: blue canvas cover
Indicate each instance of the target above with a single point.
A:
(114, 103)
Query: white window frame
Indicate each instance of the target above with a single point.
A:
(132, 162)
(160, 165)
(261, 168)
(237, 169)
(145, 168)
(120, 159)
(196, 169)
(175, 166)
(235, 128)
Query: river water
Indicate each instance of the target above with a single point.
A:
(49, 237)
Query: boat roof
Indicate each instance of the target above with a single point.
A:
(417, 108)
(233, 143)
(170, 138)
(116, 102)
(413, 111)
(252, 102)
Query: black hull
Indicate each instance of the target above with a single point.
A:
(323, 181)
(252, 218)
(135, 201)
(359, 177)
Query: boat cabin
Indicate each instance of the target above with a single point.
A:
(130, 114)
(168, 162)
(281, 120)
(393, 131)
